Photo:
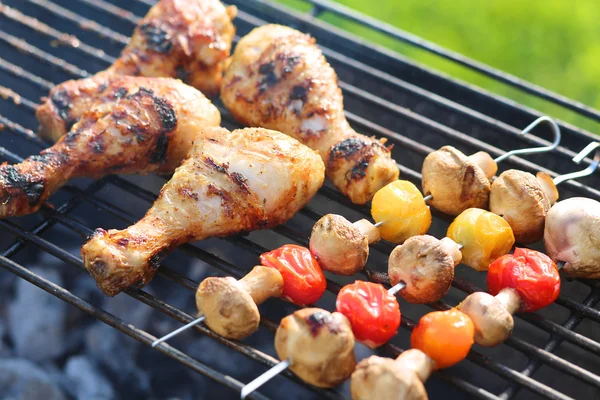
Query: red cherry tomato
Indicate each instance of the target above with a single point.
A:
(445, 336)
(531, 273)
(373, 313)
(303, 280)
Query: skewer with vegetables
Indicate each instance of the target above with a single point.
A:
(453, 183)
(524, 281)
(229, 306)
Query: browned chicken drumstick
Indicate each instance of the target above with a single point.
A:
(136, 125)
(184, 39)
(279, 79)
(231, 182)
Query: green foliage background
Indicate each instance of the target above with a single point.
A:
(552, 43)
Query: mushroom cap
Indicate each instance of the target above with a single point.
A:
(319, 345)
(338, 245)
(385, 379)
(572, 235)
(493, 323)
(455, 181)
(518, 197)
(426, 264)
(228, 307)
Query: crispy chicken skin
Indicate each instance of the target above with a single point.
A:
(279, 79)
(184, 39)
(231, 182)
(136, 125)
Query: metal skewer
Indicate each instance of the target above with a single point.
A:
(178, 331)
(578, 159)
(555, 130)
(265, 377)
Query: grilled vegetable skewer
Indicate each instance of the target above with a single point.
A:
(454, 182)
(229, 306)
(526, 280)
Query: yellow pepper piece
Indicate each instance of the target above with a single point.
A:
(401, 208)
(484, 235)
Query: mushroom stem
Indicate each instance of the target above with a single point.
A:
(509, 298)
(484, 161)
(262, 283)
(416, 361)
(548, 186)
(368, 229)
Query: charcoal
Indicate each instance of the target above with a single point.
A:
(84, 380)
(117, 352)
(133, 311)
(37, 320)
(5, 352)
(22, 380)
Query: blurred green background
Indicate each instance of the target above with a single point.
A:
(552, 43)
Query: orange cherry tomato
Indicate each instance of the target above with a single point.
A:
(445, 336)
(531, 273)
(303, 279)
(373, 313)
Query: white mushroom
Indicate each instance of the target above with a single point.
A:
(491, 316)
(386, 379)
(426, 265)
(572, 235)
(520, 199)
(342, 247)
(229, 305)
(319, 346)
(455, 181)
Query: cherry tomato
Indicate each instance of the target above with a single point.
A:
(373, 313)
(531, 273)
(303, 280)
(445, 336)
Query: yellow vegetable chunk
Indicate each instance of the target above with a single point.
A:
(401, 208)
(484, 236)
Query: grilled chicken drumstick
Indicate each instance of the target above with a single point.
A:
(231, 182)
(184, 39)
(279, 79)
(136, 125)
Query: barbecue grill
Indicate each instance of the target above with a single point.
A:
(554, 353)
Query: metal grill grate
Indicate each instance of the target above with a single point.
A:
(551, 353)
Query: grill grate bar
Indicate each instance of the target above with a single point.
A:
(84, 23)
(511, 80)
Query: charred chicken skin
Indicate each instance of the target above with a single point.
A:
(136, 125)
(184, 39)
(231, 182)
(279, 79)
